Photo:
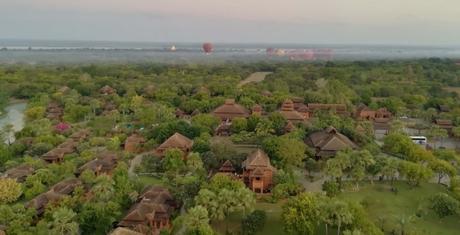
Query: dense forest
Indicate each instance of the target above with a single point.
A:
(97, 140)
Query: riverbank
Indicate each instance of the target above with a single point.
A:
(14, 115)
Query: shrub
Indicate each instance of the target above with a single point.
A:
(444, 205)
(253, 223)
(331, 187)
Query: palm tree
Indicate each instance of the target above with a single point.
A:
(104, 188)
(63, 222)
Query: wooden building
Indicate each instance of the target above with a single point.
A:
(175, 141)
(328, 142)
(104, 164)
(134, 143)
(107, 90)
(339, 109)
(258, 172)
(230, 110)
(444, 124)
(54, 195)
(290, 114)
(19, 173)
(152, 213)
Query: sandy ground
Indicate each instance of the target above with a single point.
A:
(254, 77)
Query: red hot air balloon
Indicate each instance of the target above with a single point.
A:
(208, 47)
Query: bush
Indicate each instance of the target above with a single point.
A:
(285, 190)
(444, 205)
(253, 223)
(332, 188)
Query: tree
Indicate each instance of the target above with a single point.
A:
(239, 125)
(278, 122)
(253, 222)
(311, 165)
(196, 221)
(104, 189)
(437, 133)
(456, 132)
(97, 217)
(10, 190)
(359, 162)
(173, 160)
(442, 168)
(63, 222)
(332, 188)
(415, 173)
(35, 113)
(206, 122)
(300, 214)
(444, 205)
(223, 196)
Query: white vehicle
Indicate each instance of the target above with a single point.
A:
(421, 140)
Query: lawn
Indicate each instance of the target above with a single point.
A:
(452, 89)
(273, 225)
(384, 207)
(387, 208)
(150, 180)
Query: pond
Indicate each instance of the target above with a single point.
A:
(14, 114)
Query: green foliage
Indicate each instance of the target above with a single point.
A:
(253, 222)
(173, 161)
(415, 173)
(332, 188)
(444, 205)
(10, 190)
(300, 214)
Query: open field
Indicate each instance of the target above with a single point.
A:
(452, 89)
(387, 209)
(273, 225)
(384, 207)
(254, 77)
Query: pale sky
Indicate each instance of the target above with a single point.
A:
(421, 22)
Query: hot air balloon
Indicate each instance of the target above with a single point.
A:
(208, 47)
(270, 51)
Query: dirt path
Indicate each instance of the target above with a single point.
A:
(136, 161)
(254, 77)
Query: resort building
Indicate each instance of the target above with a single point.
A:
(152, 213)
(19, 173)
(290, 114)
(175, 141)
(230, 110)
(258, 172)
(328, 142)
(134, 143)
(104, 164)
(107, 90)
(55, 194)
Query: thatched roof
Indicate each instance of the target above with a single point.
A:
(177, 140)
(289, 113)
(230, 110)
(105, 163)
(66, 186)
(329, 141)
(257, 159)
(227, 167)
(19, 173)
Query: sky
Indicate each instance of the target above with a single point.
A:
(402, 22)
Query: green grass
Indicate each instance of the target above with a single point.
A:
(386, 208)
(381, 203)
(149, 180)
(273, 225)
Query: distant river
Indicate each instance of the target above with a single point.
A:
(14, 114)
